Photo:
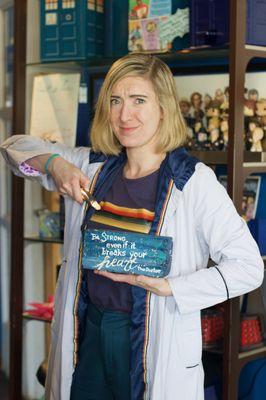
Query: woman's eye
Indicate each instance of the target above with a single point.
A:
(114, 102)
(139, 100)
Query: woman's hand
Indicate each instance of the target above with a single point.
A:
(159, 286)
(68, 178)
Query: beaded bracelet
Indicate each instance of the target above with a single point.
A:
(52, 156)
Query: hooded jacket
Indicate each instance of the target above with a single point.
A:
(195, 210)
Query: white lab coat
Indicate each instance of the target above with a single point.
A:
(202, 221)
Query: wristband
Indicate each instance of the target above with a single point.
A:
(48, 162)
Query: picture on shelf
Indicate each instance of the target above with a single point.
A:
(250, 195)
(54, 108)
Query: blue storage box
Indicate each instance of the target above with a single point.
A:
(116, 28)
(71, 30)
(209, 22)
(257, 228)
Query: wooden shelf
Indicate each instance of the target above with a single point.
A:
(246, 356)
(251, 159)
(255, 51)
(43, 240)
(186, 61)
(254, 167)
(34, 318)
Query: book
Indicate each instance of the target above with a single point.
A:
(99, 28)
(116, 28)
(250, 195)
(256, 22)
(152, 26)
(91, 28)
(209, 22)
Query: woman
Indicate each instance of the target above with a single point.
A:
(144, 180)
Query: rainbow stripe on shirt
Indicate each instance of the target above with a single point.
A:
(125, 218)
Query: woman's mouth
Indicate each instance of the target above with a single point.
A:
(127, 129)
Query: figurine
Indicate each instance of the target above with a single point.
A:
(249, 112)
(196, 104)
(213, 109)
(219, 96)
(184, 105)
(252, 125)
(257, 136)
(201, 136)
(224, 132)
(261, 111)
(253, 94)
(206, 101)
(214, 134)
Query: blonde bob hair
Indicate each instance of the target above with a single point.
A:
(172, 130)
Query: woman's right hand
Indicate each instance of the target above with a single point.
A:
(68, 178)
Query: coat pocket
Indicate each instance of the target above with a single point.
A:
(190, 339)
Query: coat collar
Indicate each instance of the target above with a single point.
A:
(178, 166)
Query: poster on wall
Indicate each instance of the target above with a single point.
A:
(55, 107)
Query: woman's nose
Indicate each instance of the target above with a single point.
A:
(125, 112)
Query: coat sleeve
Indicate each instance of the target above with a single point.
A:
(19, 148)
(239, 267)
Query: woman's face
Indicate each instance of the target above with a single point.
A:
(135, 113)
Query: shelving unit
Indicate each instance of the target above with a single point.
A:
(240, 164)
(239, 57)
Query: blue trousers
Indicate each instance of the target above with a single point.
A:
(103, 369)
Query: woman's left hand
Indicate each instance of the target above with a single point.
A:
(159, 286)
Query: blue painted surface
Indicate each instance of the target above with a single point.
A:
(127, 252)
(72, 33)
(209, 22)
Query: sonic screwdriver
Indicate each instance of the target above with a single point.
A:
(87, 196)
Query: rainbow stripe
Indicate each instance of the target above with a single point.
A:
(125, 218)
(79, 280)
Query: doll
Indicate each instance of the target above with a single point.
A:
(196, 104)
(261, 111)
(249, 112)
(214, 134)
(257, 136)
(202, 139)
(219, 96)
(184, 105)
(253, 94)
(252, 125)
(206, 101)
(213, 110)
(224, 132)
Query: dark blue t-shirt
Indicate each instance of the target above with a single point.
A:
(128, 206)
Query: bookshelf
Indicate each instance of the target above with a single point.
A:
(237, 59)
